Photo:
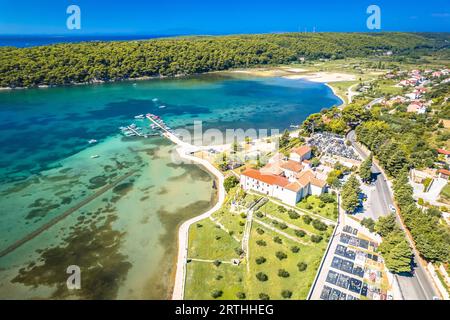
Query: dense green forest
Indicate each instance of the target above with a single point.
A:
(108, 61)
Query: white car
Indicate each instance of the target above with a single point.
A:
(392, 208)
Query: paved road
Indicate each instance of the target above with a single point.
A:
(416, 286)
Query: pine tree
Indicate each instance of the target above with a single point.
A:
(365, 171)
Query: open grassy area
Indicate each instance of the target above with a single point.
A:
(220, 244)
(202, 278)
(208, 242)
(315, 205)
(445, 193)
(298, 282)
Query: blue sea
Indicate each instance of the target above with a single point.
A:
(24, 41)
(122, 234)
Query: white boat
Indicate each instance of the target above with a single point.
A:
(95, 156)
(162, 107)
(155, 99)
(92, 141)
(141, 116)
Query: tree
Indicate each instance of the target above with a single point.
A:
(262, 276)
(365, 171)
(385, 225)
(319, 225)
(369, 223)
(216, 294)
(396, 252)
(240, 295)
(281, 255)
(286, 294)
(260, 260)
(283, 273)
(302, 266)
(230, 182)
(350, 194)
(284, 140)
(263, 296)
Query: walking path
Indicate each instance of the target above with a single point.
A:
(185, 150)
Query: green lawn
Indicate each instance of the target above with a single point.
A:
(445, 193)
(220, 245)
(273, 210)
(203, 278)
(313, 204)
(298, 282)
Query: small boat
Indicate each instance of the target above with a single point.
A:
(141, 116)
(95, 156)
(155, 99)
(92, 141)
(162, 107)
(294, 126)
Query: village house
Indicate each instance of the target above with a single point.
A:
(444, 154)
(417, 107)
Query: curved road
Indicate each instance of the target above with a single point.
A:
(416, 286)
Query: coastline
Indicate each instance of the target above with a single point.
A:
(183, 231)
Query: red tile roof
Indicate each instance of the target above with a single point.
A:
(266, 178)
(444, 172)
(443, 151)
(292, 166)
(301, 151)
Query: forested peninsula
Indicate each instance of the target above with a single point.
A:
(89, 62)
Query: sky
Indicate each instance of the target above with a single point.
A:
(177, 17)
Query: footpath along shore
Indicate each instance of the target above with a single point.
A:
(185, 150)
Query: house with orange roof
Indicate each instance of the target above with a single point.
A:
(287, 180)
(301, 153)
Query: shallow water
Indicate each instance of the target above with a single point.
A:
(124, 207)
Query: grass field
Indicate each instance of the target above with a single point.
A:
(445, 193)
(313, 204)
(221, 244)
(298, 282)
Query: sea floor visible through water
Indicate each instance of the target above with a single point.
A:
(124, 207)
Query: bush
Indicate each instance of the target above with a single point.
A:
(241, 223)
(218, 237)
(283, 273)
(238, 251)
(283, 226)
(230, 182)
(277, 239)
(216, 294)
(309, 206)
(295, 249)
(316, 239)
(243, 215)
(262, 277)
(259, 215)
(319, 225)
(302, 266)
(322, 205)
(306, 219)
(240, 295)
(369, 223)
(259, 231)
(281, 255)
(199, 225)
(282, 209)
(300, 233)
(219, 277)
(293, 215)
(260, 260)
(286, 294)
(217, 263)
(327, 198)
(261, 243)
(263, 296)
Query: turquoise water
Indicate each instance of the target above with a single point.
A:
(123, 208)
